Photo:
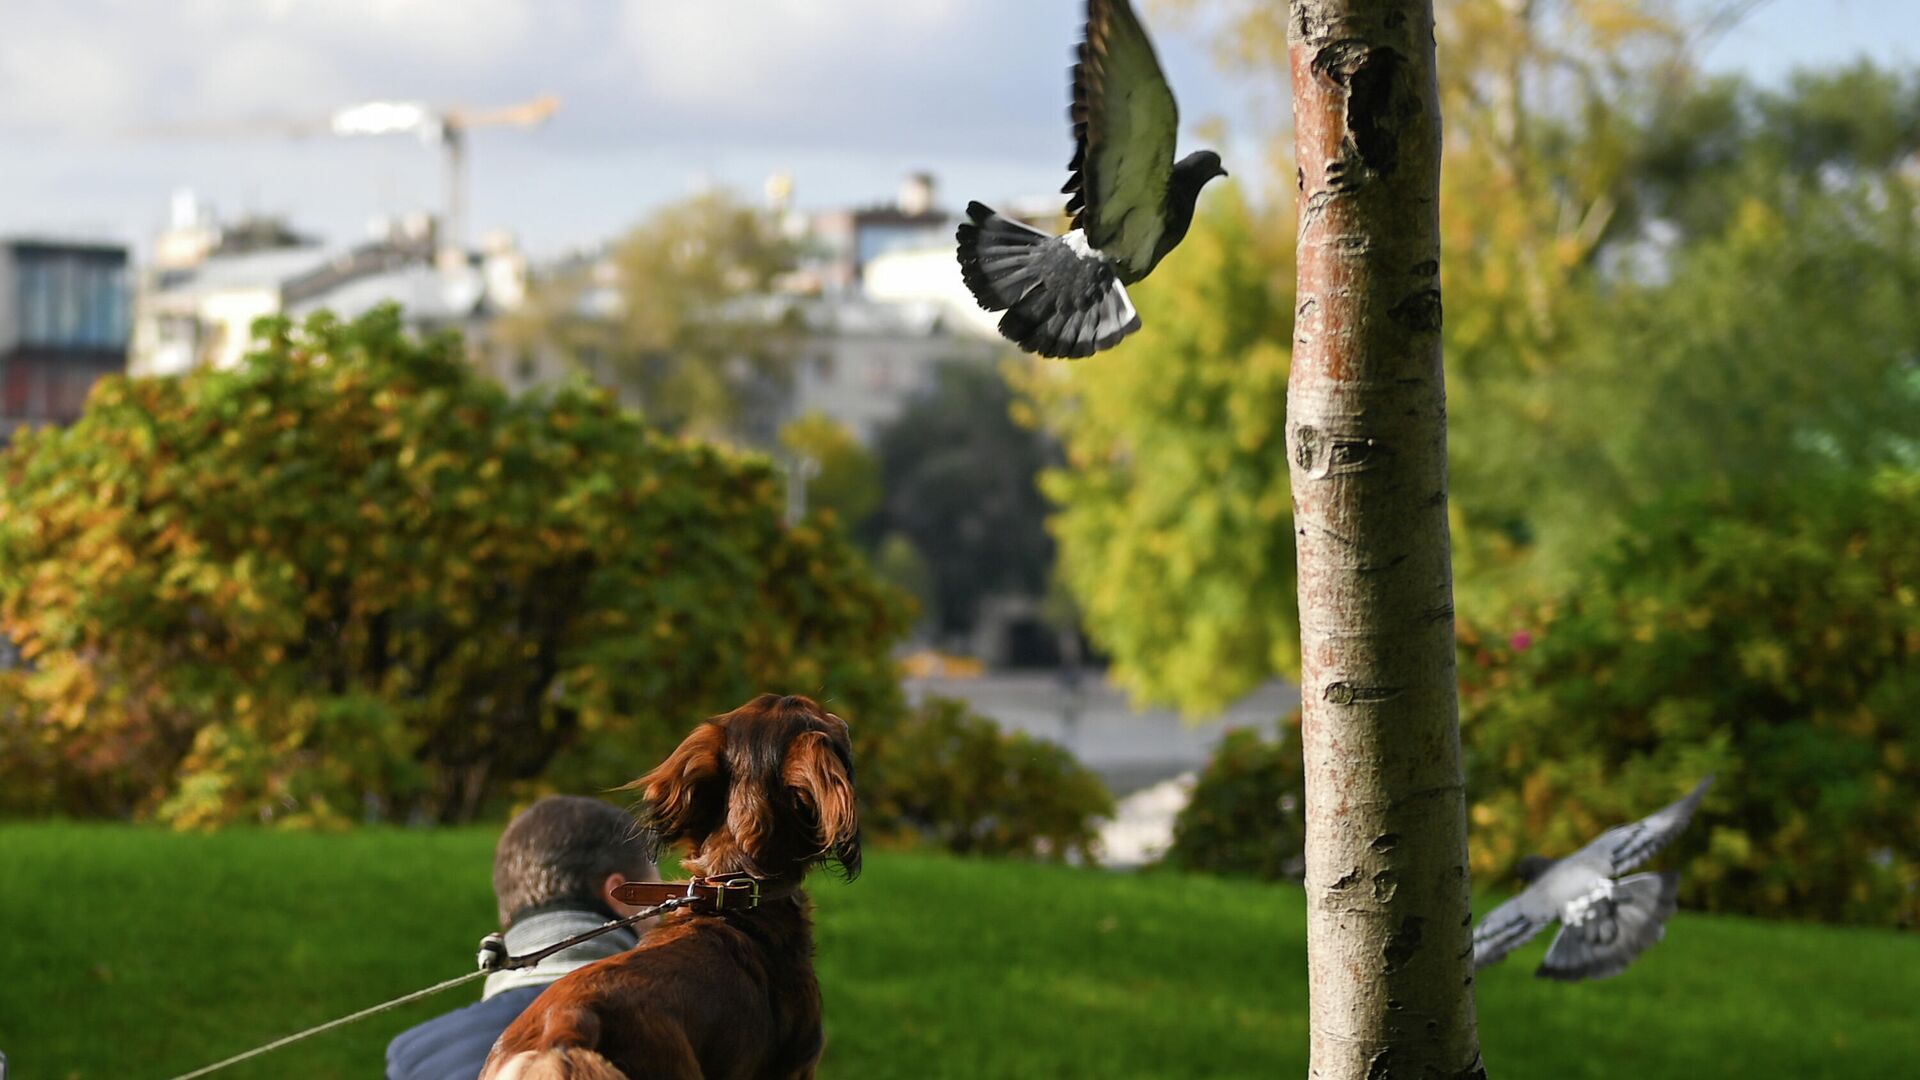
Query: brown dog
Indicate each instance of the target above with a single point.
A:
(760, 795)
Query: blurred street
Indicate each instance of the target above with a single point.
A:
(1130, 750)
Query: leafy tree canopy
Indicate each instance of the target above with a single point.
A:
(352, 577)
(843, 476)
(687, 338)
(1772, 641)
(1176, 517)
(1650, 280)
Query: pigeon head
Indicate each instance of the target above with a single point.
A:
(1190, 174)
(1199, 167)
(1532, 867)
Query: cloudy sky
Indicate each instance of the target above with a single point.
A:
(98, 99)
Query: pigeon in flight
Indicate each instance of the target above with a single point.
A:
(1605, 920)
(1066, 296)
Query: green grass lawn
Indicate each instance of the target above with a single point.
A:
(131, 952)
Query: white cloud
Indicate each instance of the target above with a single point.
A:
(463, 33)
(100, 65)
(56, 75)
(745, 53)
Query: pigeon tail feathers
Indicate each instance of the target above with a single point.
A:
(1061, 298)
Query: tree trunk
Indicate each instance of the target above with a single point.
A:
(1388, 952)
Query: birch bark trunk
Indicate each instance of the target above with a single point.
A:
(1388, 940)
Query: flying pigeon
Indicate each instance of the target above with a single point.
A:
(1605, 920)
(1066, 296)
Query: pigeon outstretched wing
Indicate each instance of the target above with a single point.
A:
(1512, 925)
(1628, 846)
(1124, 123)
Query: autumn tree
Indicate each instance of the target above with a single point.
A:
(673, 317)
(1590, 176)
(353, 578)
(1770, 639)
(1572, 126)
(1173, 515)
(1173, 512)
(842, 475)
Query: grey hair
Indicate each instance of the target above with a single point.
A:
(562, 847)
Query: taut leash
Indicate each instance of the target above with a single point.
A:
(331, 1024)
(718, 894)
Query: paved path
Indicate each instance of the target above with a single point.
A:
(1130, 750)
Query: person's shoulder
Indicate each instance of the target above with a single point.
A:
(456, 1043)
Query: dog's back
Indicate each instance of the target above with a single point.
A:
(567, 1030)
(699, 998)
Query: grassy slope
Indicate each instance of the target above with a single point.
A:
(134, 952)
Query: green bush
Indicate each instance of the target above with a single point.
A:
(1247, 816)
(945, 776)
(1774, 643)
(352, 578)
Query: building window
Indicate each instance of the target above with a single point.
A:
(36, 302)
(71, 302)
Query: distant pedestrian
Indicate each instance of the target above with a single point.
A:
(1073, 695)
(554, 873)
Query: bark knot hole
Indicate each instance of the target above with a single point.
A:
(1370, 74)
(1306, 452)
(1403, 943)
(1385, 842)
(1306, 321)
(1346, 693)
(1353, 453)
(1385, 884)
(1418, 311)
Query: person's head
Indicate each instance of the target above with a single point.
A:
(566, 849)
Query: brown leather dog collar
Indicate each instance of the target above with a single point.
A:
(735, 893)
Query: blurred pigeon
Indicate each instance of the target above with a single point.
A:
(1605, 920)
(1132, 203)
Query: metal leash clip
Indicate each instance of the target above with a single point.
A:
(493, 955)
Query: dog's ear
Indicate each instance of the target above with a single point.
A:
(684, 795)
(820, 775)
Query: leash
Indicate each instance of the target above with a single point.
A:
(331, 1024)
(493, 957)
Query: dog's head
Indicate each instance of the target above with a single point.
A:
(766, 789)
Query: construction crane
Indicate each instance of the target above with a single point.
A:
(448, 128)
(444, 127)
